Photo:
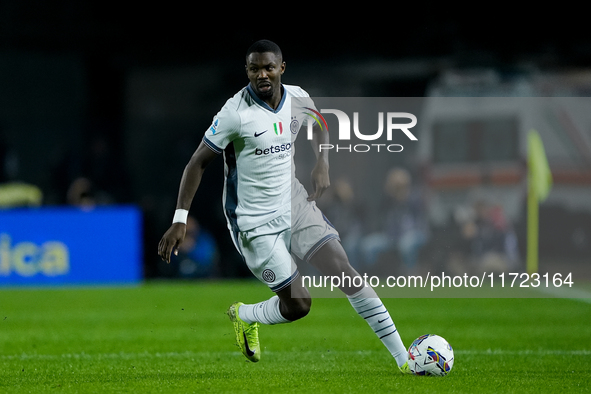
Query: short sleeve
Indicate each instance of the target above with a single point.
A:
(224, 128)
(303, 107)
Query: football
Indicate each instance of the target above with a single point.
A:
(430, 354)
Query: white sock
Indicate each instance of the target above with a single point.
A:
(266, 312)
(367, 304)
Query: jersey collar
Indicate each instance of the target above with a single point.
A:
(265, 105)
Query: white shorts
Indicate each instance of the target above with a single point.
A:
(310, 230)
(267, 249)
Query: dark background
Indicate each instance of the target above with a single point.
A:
(122, 92)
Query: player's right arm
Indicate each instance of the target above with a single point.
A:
(190, 181)
(224, 129)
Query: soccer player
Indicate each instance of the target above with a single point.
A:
(269, 213)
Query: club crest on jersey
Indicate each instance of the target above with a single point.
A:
(294, 125)
(278, 127)
(214, 126)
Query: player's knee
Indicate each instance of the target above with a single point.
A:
(297, 309)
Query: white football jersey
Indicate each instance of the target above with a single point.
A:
(257, 144)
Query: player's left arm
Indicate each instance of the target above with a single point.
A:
(320, 175)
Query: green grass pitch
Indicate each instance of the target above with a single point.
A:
(176, 338)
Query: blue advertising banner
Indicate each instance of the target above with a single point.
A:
(64, 245)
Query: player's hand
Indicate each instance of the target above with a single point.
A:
(320, 179)
(171, 241)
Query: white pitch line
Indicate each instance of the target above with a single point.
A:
(570, 293)
(541, 352)
(164, 355)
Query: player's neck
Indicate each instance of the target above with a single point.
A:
(274, 100)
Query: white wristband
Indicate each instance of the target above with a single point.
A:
(180, 216)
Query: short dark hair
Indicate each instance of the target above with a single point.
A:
(262, 46)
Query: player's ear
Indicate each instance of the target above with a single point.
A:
(282, 67)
